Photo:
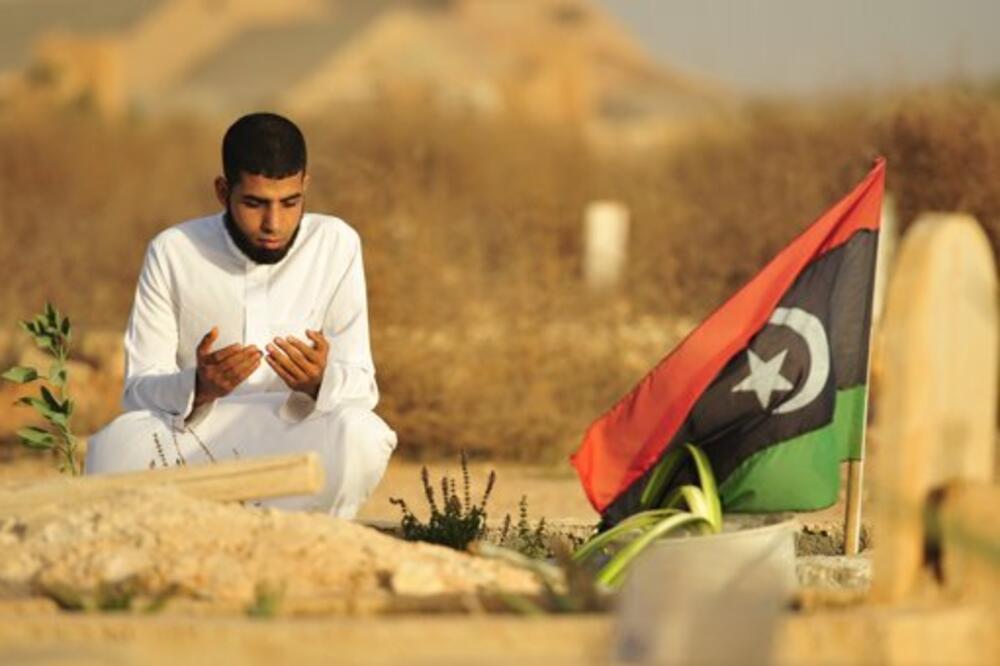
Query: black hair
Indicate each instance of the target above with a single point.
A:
(263, 144)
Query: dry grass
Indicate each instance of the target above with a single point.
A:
(483, 336)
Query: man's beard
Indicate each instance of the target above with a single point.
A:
(258, 255)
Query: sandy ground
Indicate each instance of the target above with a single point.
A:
(551, 491)
(35, 632)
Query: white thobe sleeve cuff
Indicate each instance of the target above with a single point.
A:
(191, 416)
(296, 407)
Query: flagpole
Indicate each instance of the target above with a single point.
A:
(852, 529)
(855, 468)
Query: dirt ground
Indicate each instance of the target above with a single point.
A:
(33, 630)
(185, 634)
(551, 491)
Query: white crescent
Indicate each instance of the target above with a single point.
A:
(810, 328)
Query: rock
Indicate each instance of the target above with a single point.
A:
(837, 571)
(416, 579)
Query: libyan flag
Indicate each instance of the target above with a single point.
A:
(772, 385)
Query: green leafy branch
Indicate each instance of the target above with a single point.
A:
(51, 333)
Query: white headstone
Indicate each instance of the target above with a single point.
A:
(935, 417)
(605, 242)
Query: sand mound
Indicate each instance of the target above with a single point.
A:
(158, 542)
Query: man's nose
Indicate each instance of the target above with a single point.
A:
(270, 218)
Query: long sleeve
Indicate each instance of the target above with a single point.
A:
(350, 371)
(153, 379)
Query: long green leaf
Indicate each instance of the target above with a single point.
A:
(58, 419)
(20, 374)
(36, 438)
(708, 485)
(612, 572)
(33, 402)
(696, 502)
(638, 521)
(700, 506)
(58, 374)
(662, 473)
(40, 321)
(44, 341)
(44, 409)
(52, 401)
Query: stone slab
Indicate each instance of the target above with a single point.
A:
(936, 409)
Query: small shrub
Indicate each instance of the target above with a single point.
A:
(532, 542)
(51, 333)
(458, 522)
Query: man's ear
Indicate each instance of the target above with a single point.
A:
(305, 182)
(222, 191)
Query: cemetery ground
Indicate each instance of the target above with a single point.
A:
(485, 342)
(440, 621)
(438, 618)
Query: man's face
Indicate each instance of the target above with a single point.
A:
(265, 211)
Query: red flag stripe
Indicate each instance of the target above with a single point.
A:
(629, 439)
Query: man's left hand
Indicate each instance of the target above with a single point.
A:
(298, 364)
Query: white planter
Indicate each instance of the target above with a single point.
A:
(707, 599)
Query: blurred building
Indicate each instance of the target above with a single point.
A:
(557, 61)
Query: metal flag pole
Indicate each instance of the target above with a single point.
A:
(855, 468)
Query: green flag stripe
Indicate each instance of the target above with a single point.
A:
(802, 473)
(849, 421)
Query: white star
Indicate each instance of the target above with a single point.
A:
(764, 378)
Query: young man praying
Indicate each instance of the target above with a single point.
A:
(249, 334)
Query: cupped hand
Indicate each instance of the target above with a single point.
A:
(222, 370)
(300, 365)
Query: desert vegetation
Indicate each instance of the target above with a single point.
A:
(484, 337)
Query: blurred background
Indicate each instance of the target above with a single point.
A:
(465, 140)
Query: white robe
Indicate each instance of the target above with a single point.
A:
(193, 278)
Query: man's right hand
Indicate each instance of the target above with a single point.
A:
(222, 370)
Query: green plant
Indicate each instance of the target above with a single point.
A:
(458, 522)
(532, 542)
(108, 596)
(688, 507)
(266, 601)
(567, 586)
(51, 333)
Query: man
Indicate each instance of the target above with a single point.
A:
(249, 333)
